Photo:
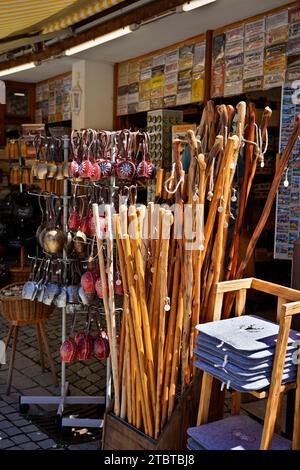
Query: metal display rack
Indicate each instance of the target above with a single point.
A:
(65, 398)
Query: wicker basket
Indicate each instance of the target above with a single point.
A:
(21, 310)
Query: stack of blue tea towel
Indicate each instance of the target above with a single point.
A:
(240, 353)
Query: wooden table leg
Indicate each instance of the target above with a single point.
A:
(48, 352)
(9, 335)
(235, 403)
(205, 394)
(41, 349)
(12, 360)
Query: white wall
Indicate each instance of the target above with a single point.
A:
(96, 80)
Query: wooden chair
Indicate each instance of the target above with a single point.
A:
(288, 304)
(42, 343)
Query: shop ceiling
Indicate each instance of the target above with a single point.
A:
(153, 35)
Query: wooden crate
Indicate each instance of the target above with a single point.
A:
(119, 435)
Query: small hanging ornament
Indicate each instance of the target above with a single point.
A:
(196, 194)
(211, 181)
(167, 304)
(286, 181)
(233, 197)
(210, 195)
(220, 208)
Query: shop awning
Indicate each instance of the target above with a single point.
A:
(80, 14)
(17, 16)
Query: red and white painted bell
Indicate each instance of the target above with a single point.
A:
(74, 169)
(88, 282)
(74, 220)
(125, 169)
(101, 346)
(78, 336)
(85, 348)
(68, 350)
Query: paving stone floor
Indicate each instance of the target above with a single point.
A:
(85, 378)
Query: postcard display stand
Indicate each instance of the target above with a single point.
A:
(64, 398)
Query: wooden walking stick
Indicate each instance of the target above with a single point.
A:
(107, 306)
(233, 143)
(128, 371)
(166, 226)
(176, 354)
(170, 339)
(134, 385)
(230, 155)
(123, 393)
(188, 298)
(198, 256)
(234, 250)
(154, 304)
(259, 150)
(110, 279)
(144, 312)
(125, 324)
(122, 342)
(138, 332)
(271, 196)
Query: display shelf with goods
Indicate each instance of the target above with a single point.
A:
(53, 100)
(169, 77)
(52, 237)
(256, 53)
(104, 167)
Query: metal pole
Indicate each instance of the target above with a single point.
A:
(65, 224)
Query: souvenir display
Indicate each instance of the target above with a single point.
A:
(163, 80)
(287, 213)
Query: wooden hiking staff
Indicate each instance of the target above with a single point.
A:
(234, 249)
(233, 151)
(137, 326)
(271, 196)
(258, 153)
(107, 306)
(143, 306)
(167, 221)
(266, 210)
(170, 338)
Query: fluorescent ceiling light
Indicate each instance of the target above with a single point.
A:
(19, 94)
(188, 6)
(18, 68)
(101, 40)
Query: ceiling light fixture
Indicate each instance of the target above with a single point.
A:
(19, 94)
(100, 40)
(188, 6)
(18, 68)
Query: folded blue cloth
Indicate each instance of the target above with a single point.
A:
(244, 333)
(244, 359)
(238, 372)
(234, 433)
(240, 385)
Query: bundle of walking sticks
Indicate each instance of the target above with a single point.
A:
(172, 254)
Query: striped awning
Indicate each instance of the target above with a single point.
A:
(80, 14)
(18, 16)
